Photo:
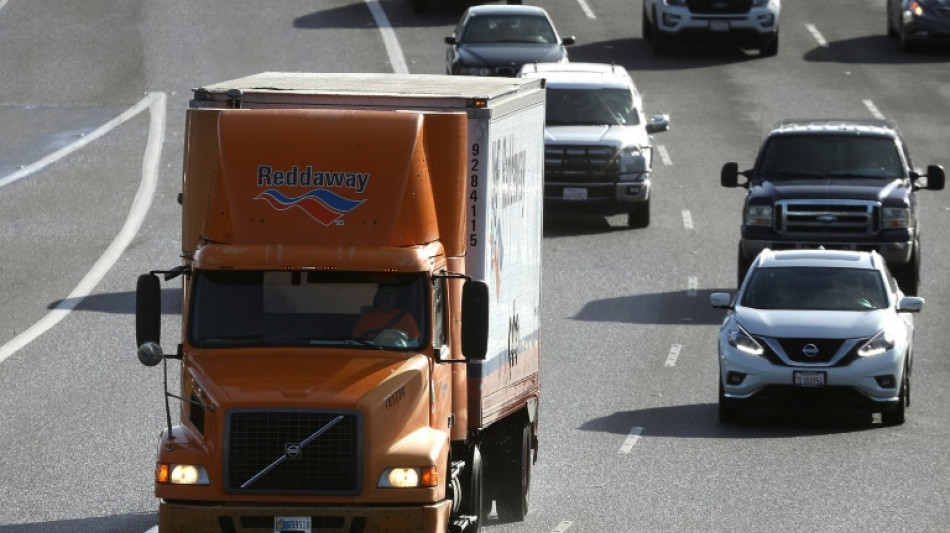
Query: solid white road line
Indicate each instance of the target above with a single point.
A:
(393, 50)
(155, 102)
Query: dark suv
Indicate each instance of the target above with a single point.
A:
(837, 184)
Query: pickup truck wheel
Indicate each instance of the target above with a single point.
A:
(771, 49)
(647, 28)
(639, 218)
(512, 501)
(742, 266)
(908, 277)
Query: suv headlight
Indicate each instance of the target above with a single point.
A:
(632, 160)
(878, 344)
(740, 339)
(759, 215)
(896, 217)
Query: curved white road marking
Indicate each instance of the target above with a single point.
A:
(393, 50)
(155, 102)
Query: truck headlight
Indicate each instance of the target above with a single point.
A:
(759, 215)
(632, 160)
(740, 339)
(175, 474)
(878, 344)
(409, 477)
(896, 217)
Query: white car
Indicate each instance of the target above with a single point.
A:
(819, 327)
(747, 23)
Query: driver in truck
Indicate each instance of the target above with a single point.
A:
(385, 315)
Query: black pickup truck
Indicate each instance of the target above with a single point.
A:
(837, 184)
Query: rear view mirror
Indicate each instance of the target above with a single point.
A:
(475, 320)
(148, 310)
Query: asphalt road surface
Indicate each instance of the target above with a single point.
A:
(92, 102)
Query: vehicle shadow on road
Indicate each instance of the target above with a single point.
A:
(701, 421)
(676, 307)
(121, 303)
(877, 50)
(636, 54)
(106, 524)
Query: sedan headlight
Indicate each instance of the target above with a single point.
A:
(740, 339)
(632, 160)
(408, 477)
(473, 71)
(175, 474)
(896, 217)
(759, 215)
(880, 343)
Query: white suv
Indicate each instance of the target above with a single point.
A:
(817, 327)
(598, 143)
(747, 23)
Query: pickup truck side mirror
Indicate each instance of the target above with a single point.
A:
(936, 177)
(729, 177)
(658, 123)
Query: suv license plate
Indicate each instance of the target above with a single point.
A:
(809, 379)
(575, 193)
(292, 524)
(718, 25)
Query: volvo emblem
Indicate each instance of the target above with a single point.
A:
(292, 450)
(809, 350)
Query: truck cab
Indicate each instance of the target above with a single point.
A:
(836, 184)
(598, 143)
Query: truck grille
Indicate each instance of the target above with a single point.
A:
(580, 164)
(834, 218)
(294, 451)
(719, 7)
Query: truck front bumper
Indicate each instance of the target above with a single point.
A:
(611, 198)
(895, 254)
(178, 517)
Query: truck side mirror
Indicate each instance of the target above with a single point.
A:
(936, 177)
(729, 177)
(475, 320)
(148, 310)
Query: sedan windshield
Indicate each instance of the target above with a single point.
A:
(815, 288)
(588, 107)
(830, 156)
(508, 29)
(294, 308)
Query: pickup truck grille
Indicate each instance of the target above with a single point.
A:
(719, 7)
(580, 164)
(827, 218)
(293, 451)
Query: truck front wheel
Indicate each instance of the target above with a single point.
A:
(512, 501)
(908, 276)
(639, 218)
(742, 266)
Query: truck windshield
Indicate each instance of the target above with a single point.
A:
(299, 308)
(830, 156)
(588, 107)
(817, 288)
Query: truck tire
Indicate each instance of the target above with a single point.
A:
(472, 488)
(908, 276)
(512, 501)
(771, 49)
(647, 28)
(742, 266)
(639, 218)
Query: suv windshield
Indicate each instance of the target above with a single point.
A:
(830, 156)
(586, 107)
(815, 288)
(293, 308)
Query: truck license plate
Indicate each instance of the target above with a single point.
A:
(718, 25)
(809, 379)
(292, 524)
(575, 193)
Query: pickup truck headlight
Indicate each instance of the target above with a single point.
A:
(632, 160)
(878, 344)
(759, 215)
(175, 474)
(740, 339)
(408, 478)
(896, 217)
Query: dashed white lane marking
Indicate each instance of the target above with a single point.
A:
(393, 49)
(586, 9)
(873, 109)
(631, 439)
(664, 155)
(562, 527)
(153, 529)
(692, 284)
(155, 102)
(674, 354)
(687, 219)
(817, 35)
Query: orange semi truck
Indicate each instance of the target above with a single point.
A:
(308, 202)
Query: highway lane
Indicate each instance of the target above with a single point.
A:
(629, 438)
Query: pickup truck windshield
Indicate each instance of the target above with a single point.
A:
(830, 289)
(829, 156)
(590, 107)
(299, 308)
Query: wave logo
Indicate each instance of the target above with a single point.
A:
(322, 205)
